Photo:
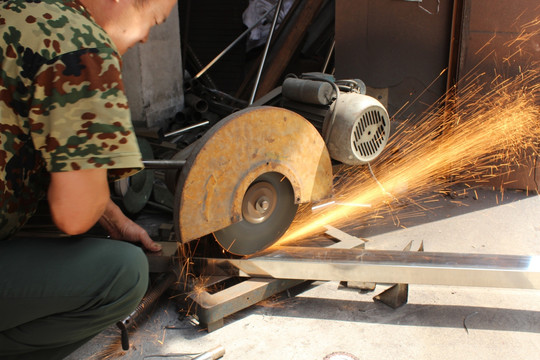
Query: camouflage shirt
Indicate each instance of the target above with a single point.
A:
(62, 102)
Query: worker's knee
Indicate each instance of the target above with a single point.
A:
(119, 277)
(131, 279)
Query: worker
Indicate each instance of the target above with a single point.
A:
(65, 130)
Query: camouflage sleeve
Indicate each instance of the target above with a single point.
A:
(79, 115)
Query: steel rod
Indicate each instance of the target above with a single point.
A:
(187, 128)
(226, 50)
(328, 57)
(266, 48)
(164, 164)
(389, 267)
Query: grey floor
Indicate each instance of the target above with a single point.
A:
(321, 318)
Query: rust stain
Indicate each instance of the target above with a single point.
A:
(208, 196)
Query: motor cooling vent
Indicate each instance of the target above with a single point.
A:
(369, 134)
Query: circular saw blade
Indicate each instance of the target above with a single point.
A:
(268, 209)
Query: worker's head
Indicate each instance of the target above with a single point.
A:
(128, 21)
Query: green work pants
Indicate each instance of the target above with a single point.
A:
(58, 293)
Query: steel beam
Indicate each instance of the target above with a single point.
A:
(389, 267)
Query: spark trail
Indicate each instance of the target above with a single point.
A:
(482, 131)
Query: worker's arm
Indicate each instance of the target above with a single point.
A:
(78, 199)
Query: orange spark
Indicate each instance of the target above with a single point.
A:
(473, 134)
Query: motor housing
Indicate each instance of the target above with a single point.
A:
(355, 126)
(360, 129)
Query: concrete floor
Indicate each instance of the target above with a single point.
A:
(316, 319)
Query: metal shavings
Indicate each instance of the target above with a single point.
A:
(465, 320)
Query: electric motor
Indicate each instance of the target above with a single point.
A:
(360, 129)
(355, 126)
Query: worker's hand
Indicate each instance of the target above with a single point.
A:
(120, 227)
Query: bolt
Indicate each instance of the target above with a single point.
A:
(263, 205)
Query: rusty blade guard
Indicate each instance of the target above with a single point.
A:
(235, 152)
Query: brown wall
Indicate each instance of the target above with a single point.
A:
(488, 27)
(490, 44)
(397, 46)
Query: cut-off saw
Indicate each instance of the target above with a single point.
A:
(243, 180)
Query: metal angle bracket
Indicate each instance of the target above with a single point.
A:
(398, 294)
(212, 308)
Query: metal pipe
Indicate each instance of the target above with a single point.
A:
(198, 104)
(164, 164)
(261, 65)
(205, 69)
(179, 131)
